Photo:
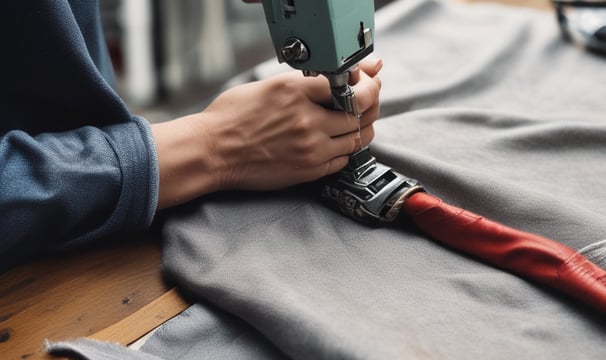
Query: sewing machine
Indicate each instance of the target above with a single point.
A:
(330, 38)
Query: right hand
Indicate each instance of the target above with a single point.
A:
(265, 135)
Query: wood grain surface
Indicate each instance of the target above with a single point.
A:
(82, 295)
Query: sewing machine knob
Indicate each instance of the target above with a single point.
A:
(295, 51)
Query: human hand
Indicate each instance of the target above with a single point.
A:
(265, 135)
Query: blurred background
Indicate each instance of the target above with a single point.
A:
(171, 56)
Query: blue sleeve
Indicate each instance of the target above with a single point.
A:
(76, 167)
(60, 190)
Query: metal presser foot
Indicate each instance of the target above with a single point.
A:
(368, 191)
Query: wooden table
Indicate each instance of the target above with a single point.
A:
(114, 293)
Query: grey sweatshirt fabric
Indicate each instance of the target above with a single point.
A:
(491, 111)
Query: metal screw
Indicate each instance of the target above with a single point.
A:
(294, 50)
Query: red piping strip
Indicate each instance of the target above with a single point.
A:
(527, 255)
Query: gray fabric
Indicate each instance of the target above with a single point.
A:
(202, 331)
(596, 253)
(489, 109)
(87, 349)
(199, 332)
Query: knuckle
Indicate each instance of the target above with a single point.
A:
(284, 93)
(356, 141)
(336, 164)
(368, 134)
(303, 125)
(306, 150)
(378, 82)
(370, 116)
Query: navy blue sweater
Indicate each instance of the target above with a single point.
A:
(75, 165)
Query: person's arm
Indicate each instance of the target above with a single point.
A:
(264, 135)
(59, 190)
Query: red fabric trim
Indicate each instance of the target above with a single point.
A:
(527, 255)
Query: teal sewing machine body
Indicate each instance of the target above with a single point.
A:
(321, 36)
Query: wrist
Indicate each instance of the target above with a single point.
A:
(185, 161)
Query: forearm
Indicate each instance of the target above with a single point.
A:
(65, 189)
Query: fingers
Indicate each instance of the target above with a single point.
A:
(315, 88)
(369, 66)
(335, 165)
(344, 132)
(351, 142)
(337, 123)
(342, 146)
(366, 135)
(369, 115)
(367, 87)
(367, 93)
(364, 78)
(354, 75)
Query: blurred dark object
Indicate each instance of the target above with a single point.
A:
(381, 3)
(583, 22)
(112, 31)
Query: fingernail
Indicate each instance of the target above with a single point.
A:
(374, 63)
